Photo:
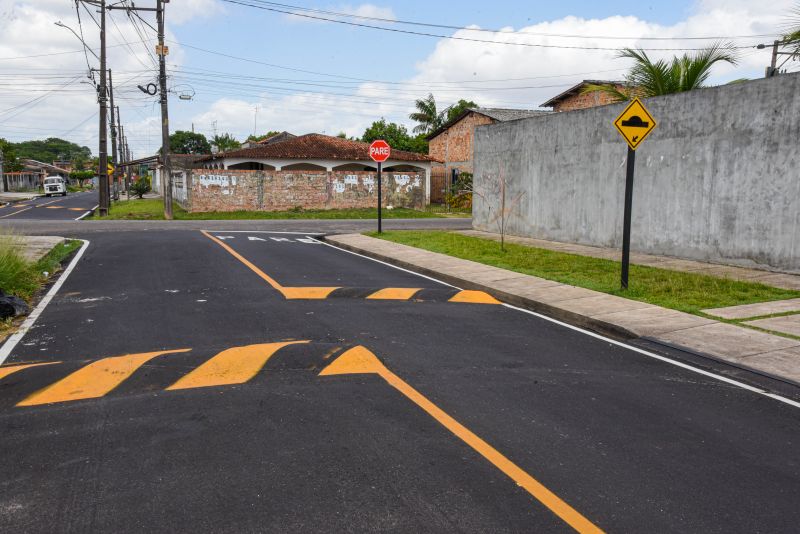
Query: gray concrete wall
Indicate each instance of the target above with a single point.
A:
(718, 180)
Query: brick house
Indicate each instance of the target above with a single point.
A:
(451, 145)
(574, 97)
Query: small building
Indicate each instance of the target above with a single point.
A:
(576, 98)
(451, 144)
(32, 175)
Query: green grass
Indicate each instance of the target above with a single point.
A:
(671, 289)
(23, 278)
(153, 209)
(441, 209)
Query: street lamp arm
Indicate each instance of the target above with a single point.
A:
(59, 23)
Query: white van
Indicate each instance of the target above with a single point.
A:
(54, 185)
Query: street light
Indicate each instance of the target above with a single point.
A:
(59, 23)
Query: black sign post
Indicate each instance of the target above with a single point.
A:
(380, 200)
(634, 124)
(626, 225)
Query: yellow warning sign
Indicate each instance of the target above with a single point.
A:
(635, 123)
(110, 169)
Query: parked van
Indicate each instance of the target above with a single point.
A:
(55, 185)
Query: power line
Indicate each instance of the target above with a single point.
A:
(518, 32)
(452, 37)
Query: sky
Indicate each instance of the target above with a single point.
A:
(250, 70)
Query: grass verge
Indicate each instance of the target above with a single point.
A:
(152, 209)
(682, 291)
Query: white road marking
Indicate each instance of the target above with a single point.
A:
(12, 341)
(224, 237)
(281, 239)
(665, 359)
(261, 232)
(87, 213)
(308, 240)
(251, 238)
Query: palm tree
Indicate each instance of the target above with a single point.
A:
(792, 37)
(426, 115)
(652, 78)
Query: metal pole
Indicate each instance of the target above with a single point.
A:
(2, 173)
(162, 80)
(380, 199)
(115, 159)
(102, 170)
(626, 228)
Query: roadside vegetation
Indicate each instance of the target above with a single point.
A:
(22, 278)
(682, 291)
(153, 209)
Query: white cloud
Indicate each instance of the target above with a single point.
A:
(182, 11)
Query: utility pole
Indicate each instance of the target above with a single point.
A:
(102, 170)
(773, 66)
(115, 159)
(162, 80)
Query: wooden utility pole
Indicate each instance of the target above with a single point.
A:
(102, 171)
(166, 167)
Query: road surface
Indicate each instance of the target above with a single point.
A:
(70, 207)
(257, 381)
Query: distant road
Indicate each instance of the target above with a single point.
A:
(71, 207)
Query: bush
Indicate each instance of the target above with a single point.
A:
(140, 187)
(459, 196)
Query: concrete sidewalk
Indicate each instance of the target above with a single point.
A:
(34, 248)
(608, 314)
(746, 274)
(12, 196)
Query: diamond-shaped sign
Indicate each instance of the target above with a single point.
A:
(635, 123)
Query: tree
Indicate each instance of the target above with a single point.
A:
(256, 138)
(458, 108)
(653, 78)
(51, 149)
(792, 37)
(189, 143)
(396, 135)
(225, 142)
(427, 116)
(10, 159)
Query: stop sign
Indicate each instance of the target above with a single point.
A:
(379, 150)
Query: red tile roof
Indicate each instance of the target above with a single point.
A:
(316, 146)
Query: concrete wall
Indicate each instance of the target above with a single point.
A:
(231, 190)
(718, 179)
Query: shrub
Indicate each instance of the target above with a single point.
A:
(140, 187)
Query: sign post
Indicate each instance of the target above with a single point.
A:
(634, 124)
(379, 151)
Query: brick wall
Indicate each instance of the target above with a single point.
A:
(585, 100)
(227, 190)
(454, 145)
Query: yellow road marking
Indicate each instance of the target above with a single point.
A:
(55, 207)
(394, 293)
(236, 365)
(473, 297)
(93, 380)
(77, 209)
(5, 371)
(359, 360)
(271, 281)
(313, 293)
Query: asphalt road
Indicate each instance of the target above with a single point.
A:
(51, 209)
(276, 384)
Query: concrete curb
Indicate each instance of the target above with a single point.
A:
(765, 354)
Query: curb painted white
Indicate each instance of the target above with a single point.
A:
(87, 213)
(595, 335)
(15, 338)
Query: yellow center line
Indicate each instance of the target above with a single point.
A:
(236, 365)
(360, 360)
(93, 380)
(5, 371)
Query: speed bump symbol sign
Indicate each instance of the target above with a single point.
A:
(635, 123)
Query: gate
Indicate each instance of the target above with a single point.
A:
(439, 183)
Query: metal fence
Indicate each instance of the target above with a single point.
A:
(439, 183)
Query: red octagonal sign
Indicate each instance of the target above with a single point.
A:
(379, 150)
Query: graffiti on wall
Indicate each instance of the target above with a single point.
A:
(220, 180)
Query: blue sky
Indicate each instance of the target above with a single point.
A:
(401, 67)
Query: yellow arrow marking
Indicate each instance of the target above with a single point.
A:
(473, 297)
(5, 371)
(232, 366)
(93, 380)
(360, 360)
(394, 293)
